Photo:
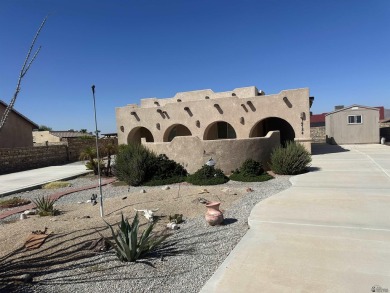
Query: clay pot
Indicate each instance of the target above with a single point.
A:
(213, 215)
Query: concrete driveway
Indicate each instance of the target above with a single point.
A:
(20, 181)
(330, 232)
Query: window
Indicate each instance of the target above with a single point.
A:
(355, 119)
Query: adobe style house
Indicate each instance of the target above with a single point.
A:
(228, 126)
(17, 131)
(50, 136)
(353, 125)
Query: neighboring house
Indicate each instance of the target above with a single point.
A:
(352, 125)
(17, 130)
(56, 136)
(229, 126)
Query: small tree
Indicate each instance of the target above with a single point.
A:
(109, 150)
(44, 128)
(89, 154)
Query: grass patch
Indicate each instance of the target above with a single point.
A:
(56, 184)
(13, 202)
(119, 183)
(243, 178)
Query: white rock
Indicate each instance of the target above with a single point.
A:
(29, 212)
(79, 202)
(142, 191)
(88, 201)
(172, 226)
(23, 216)
(148, 214)
(166, 187)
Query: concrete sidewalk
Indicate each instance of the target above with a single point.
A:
(20, 181)
(330, 232)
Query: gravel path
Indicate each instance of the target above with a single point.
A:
(196, 251)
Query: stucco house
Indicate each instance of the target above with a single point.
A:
(228, 126)
(17, 131)
(50, 136)
(353, 125)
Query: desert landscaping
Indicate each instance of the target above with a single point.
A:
(71, 257)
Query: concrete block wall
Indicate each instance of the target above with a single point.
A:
(318, 134)
(21, 159)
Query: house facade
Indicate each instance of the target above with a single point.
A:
(229, 126)
(17, 131)
(353, 125)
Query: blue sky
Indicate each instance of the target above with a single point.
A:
(155, 48)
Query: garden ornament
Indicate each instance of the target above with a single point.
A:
(148, 214)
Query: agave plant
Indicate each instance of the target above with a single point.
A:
(45, 206)
(127, 245)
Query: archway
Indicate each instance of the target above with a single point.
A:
(262, 127)
(137, 133)
(176, 130)
(219, 130)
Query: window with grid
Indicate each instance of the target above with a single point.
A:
(355, 119)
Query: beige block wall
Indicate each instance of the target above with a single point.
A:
(229, 154)
(44, 136)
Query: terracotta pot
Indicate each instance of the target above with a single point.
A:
(213, 215)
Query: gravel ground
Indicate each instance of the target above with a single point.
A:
(184, 264)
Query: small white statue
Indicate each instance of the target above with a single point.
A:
(148, 214)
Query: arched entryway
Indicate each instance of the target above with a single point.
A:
(137, 133)
(219, 130)
(262, 127)
(176, 130)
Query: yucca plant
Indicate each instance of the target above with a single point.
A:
(127, 245)
(45, 206)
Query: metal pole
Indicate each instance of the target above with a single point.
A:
(97, 153)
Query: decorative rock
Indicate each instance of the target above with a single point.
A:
(124, 197)
(23, 216)
(79, 202)
(166, 187)
(173, 226)
(249, 189)
(142, 191)
(29, 212)
(88, 201)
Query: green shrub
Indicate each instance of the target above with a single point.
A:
(165, 168)
(290, 160)
(251, 167)
(137, 165)
(134, 164)
(13, 202)
(244, 178)
(45, 206)
(127, 244)
(207, 175)
(93, 166)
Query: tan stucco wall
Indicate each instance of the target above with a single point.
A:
(17, 132)
(198, 111)
(338, 131)
(44, 136)
(288, 105)
(193, 153)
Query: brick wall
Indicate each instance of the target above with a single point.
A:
(20, 159)
(318, 134)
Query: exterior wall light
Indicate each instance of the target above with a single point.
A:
(158, 126)
(122, 128)
(133, 113)
(211, 162)
(233, 94)
(156, 103)
(303, 117)
(159, 111)
(242, 121)
(186, 108)
(197, 123)
(178, 100)
(207, 97)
